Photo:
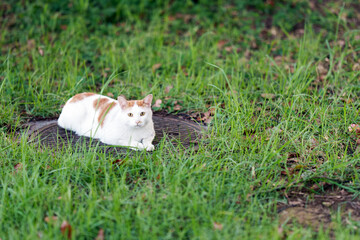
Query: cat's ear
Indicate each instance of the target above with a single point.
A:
(148, 99)
(122, 101)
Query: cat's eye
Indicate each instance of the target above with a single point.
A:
(142, 113)
(130, 114)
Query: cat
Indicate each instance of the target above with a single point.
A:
(114, 122)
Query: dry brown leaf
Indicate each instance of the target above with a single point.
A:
(341, 43)
(354, 128)
(183, 68)
(322, 71)
(30, 44)
(156, 67)
(168, 88)
(51, 219)
(109, 94)
(18, 167)
(229, 49)
(41, 51)
(207, 117)
(104, 74)
(268, 95)
(100, 235)
(221, 43)
(273, 31)
(217, 226)
(157, 103)
(66, 229)
(207, 121)
(119, 162)
(356, 67)
(171, 18)
(177, 107)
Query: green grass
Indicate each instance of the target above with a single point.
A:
(51, 51)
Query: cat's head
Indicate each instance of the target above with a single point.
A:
(136, 112)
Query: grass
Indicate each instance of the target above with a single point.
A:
(276, 92)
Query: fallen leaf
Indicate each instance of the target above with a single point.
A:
(217, 226)
(104, 74)
(183, 68)
(100, 235)
(51, 219)
(254, 45)
(341, 43)
(177, 107)
(119, 162)
(207, 116)
(157, 103)
(270, 2)
(314, 142)
(168, 88)
(143, 197)
(63, 27)
(268, 95)
(321, 71)
(354, 128)
(221, 43)
(171, 18)
(66, 229)
(109, 94)
(18, 167)
(207, 121)
(30, 44)
(327, 204)
(41, 51)
(356, 67)
(156, 67)
(273, 31)
(229, 49)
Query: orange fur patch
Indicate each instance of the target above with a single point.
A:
(140, 103)
(99, 103)
(104, 110)
(131, 103)
(80, 96)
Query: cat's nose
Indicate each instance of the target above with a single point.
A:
(138, 122)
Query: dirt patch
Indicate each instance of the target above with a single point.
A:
(315, 210)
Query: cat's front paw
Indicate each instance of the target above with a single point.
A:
(150, 147)
(137, 146)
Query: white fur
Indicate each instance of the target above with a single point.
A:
(118, 128)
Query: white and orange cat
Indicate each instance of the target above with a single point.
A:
(115, 122)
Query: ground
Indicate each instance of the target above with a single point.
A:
(277, 83)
